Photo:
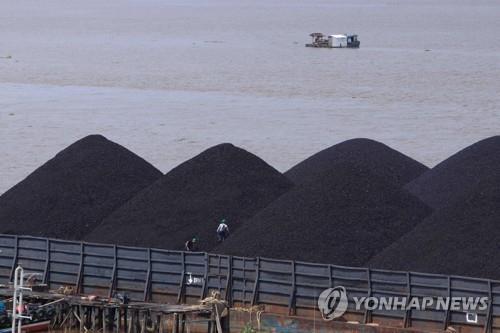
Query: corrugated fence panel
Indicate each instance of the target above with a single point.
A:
(218, 274)
(195, 268)
(131, 271)
(275, 281)
(166, 274)
(98, 264)
(243, 279)
(310, 281)
(8, 244)
(64, 263)
(175, 276)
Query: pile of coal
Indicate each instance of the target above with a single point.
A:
(381, 160)
(460, 239)
(74, 191)
(461, 236)
(223, 182)
(460, 174)
(344, 216)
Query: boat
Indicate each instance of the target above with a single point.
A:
(42, 326)
(334, 41)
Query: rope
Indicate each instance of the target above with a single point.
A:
(258, 309)
(214, 299)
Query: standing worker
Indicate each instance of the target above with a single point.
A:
(222, 231)
(190, 245)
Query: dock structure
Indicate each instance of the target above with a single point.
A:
(108, 315)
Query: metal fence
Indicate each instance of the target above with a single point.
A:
(175, 276)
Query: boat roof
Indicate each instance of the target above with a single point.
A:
(339, 36)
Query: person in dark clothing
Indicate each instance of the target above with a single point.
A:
(191, 244)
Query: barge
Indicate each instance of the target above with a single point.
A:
(333, 41)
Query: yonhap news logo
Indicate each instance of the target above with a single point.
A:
(333, 303)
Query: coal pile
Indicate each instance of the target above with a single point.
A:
(221, 182)
(459, 174)
(74, 191)
(460, 239)
(380, 159)
(343, 217)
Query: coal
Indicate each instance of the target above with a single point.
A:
(459, 174)
(74, 191)
(461, 236)
(380, 159)
(343, 217)
(459, 239)
(189, 201)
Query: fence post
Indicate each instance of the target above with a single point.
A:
(79, 278)
(330, 275)
(112, 284)
(244, 281)
(205, 278)
(446, 318)
(219, 264)
(46, 271)
(407, 316)
(256, 282)
(368, 314)
(291, 302)
(180, 294)
(229, 282)
(487, 322)
(14, 258)
(147, 282)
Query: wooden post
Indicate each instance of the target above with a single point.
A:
(161, 324)
(183, 323)
(142, 321)
(130, 322)
(104, 321)
(226, 322)
(82, 318)
(125, 320)
(72, 322)
(118, 318)
(94, 318)
(175, 328)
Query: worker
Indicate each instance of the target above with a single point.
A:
(190, 245)
(222, 231)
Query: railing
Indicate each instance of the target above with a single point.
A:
(174, 276)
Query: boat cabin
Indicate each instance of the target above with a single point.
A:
(333, 41)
